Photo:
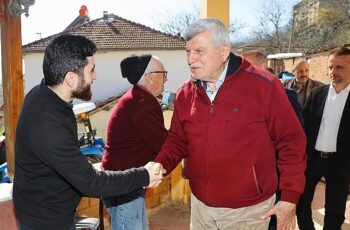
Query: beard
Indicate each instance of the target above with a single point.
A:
(83, 91)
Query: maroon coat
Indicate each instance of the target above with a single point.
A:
(231, 143)
(135, 131)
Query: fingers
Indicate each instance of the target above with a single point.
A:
(159, 169)
(294, 225)
(285, 215)
(155, 172)
(269, 213)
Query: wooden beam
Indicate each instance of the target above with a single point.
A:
(216, 9)
(1, 11)
(12, 78)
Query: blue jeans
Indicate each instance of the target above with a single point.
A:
(129, 215)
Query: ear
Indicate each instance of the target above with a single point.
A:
(148, 79)
(225, 52)
(71, 79)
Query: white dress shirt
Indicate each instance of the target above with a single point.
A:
(332, 113)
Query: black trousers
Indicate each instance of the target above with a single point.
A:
(336, 193)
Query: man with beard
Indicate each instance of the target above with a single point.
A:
(51, 174)
(302, 83)
(327, 126)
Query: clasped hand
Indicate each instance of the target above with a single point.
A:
(155, 172)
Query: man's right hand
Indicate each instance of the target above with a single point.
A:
(155, 172)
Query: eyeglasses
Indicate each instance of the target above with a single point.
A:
(163, 72)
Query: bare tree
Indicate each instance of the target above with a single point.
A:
(177, 23)
(272, 30)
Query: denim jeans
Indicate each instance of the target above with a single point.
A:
(130, 215)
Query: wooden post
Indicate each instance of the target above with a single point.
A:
(1, 11)
(216, 9)
(12, 78)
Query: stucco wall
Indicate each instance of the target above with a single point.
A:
(109, 82)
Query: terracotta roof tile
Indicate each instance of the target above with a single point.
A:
(116, 33)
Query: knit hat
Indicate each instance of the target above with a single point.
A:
(134, 66)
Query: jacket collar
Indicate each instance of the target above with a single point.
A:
(234, 64)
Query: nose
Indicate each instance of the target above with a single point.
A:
(191, 57)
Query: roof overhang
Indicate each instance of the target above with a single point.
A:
(284, 55)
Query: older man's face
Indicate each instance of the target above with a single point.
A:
(301, 72)
(206, 61)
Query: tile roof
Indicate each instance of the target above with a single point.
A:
(116, 33)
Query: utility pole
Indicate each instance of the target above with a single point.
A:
(291, 33)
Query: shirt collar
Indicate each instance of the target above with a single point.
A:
(53, 95)
(218, 82)
(331, 88)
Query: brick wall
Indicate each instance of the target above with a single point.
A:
(319, 66)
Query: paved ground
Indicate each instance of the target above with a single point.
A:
(170, 216)
(176, 216)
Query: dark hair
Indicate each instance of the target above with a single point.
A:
(270, 69)
(64, 54)
(340, 51)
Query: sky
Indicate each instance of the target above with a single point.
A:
(48, 17)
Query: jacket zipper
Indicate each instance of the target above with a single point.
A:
(211, 110)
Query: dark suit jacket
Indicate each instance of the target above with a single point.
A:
(293, 99)
(313, 112)
(311, 84)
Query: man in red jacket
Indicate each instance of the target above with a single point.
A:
(135, 135)
(230, 121)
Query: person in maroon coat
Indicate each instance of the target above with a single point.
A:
(230, 121)
(135, 135)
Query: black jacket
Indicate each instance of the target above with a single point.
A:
(293, 99)
(51, 174)
(313, 112)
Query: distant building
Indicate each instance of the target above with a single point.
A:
(307, 13)
(116, 38)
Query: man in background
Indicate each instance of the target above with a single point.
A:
(302, 84)
(259, 59)
(135, 135)
(327, 126)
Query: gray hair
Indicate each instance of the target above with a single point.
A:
(298, 63)
(215, 26)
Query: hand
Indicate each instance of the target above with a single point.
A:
(159, 168)
(285, 214)
(154, 171)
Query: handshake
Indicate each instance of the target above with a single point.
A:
(155, 172)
